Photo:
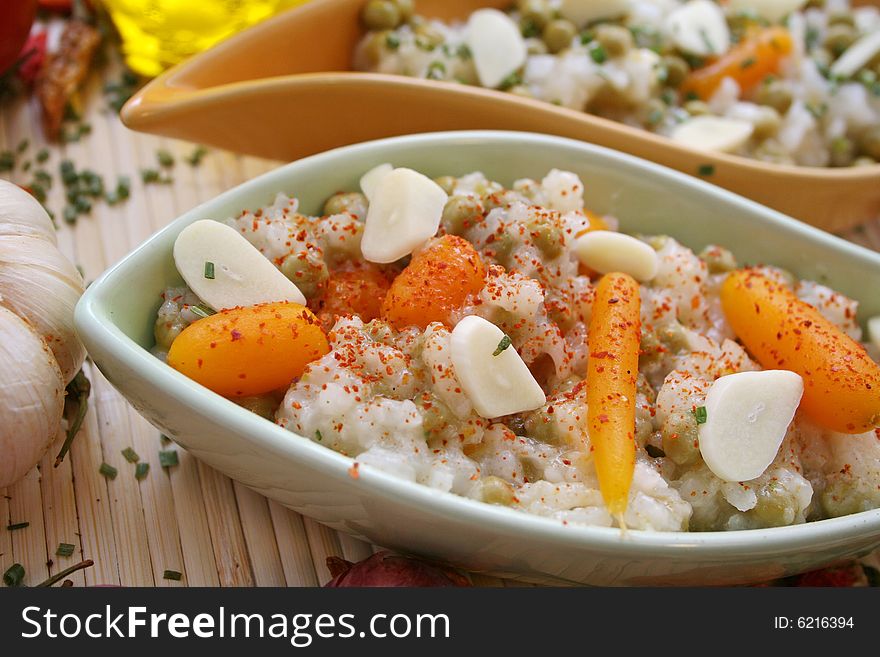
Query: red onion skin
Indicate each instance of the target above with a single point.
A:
(384, 569)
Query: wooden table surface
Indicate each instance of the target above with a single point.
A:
(187, 518)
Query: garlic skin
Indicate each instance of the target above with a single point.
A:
(39, 351)
(32, 401)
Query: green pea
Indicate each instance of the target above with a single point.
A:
(718, 259)
(840, 37)
(381, 15)
(558, 34)
(307, 270)
(842, 18)
(346, 202)
(775, 507)
(615, 39)
(460, 213)
(547, 237)
(677, 70)
(679, 436)
(538, 12)
(495, 490)
(843, 152)
(775, 94)
(407, 9)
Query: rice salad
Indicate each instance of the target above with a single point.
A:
(397, 362)
(792, 82)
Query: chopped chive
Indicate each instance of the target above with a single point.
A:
(7, 160)
(747, 62)
(108, 471)
(149, 176)
(701, 414)
(42, 155)
(70, 214)
(172, 574)
(392, 42)
(707, 41)
(202, 311)
(163, 439)
(22, 146)
(512, 80)
(65, 550)
(195, 158)
(436, 70)
(141, 470)
(14, 575)
(209, 270)
(319, 436)
(168, 458)
(18, 525)
(130, 455)
(598, 53)
(164, 158)
(504, 344)
(706, 169)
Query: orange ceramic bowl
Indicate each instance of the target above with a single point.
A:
(284, 89)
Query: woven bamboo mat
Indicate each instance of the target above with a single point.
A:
(187, 518)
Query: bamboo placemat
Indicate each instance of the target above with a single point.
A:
(187, 518)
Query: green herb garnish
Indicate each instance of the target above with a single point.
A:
(195, 158)
(748, 62)
(209, 270)
(22, 146)
(707, 41)
(172, 574)
(42, 155)
(392, 42)
(65, 550)
(168, 458)
(76, 403)
(164, 158)
(141, 470)
(130, 455)
(504, 344)
(7, 160)
(14, 575)
(436, 71)
(598, 53)
(512, 80)
(319, 436)
(701, 415)
(706, 169)
(202, 311)
(108, 471)
(17, 525)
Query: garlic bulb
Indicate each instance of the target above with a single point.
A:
(39, 353)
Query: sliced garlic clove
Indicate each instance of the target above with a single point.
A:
(496, 44)
(747, 416)
(771, 10)
(370, 180)
(404, 213)
(699, 28)
(874, 331)
(857, 55)
(581, 12)
(605, 251)
(242, 276)
(713, 133)
(490, 370)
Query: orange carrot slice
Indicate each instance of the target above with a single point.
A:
(613, 367)
(359, 291)
(249, 351)
(841, 382)
(749, 62)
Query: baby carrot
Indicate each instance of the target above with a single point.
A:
(437, 281)
(613, 367)
(841, 382)
(749, 62)
(249, 351)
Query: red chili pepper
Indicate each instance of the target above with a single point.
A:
(16, 19)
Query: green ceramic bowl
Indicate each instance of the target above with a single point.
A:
(115, 320)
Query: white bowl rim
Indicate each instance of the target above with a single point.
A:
(92, 322)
